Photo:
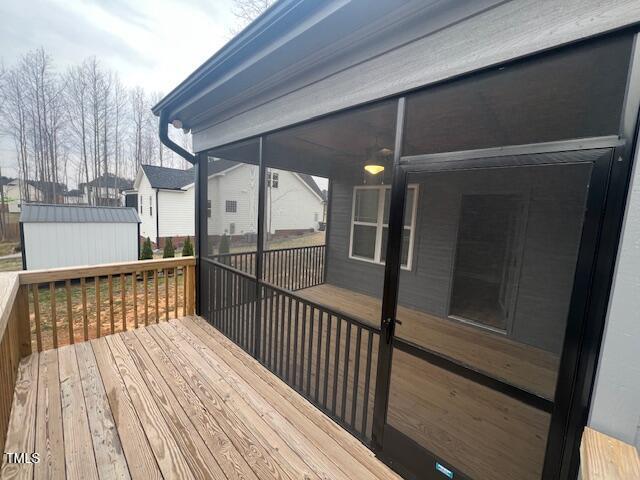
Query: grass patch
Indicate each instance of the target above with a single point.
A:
(11, 265)
(7, 248)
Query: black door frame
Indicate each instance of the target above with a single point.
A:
(560, 458)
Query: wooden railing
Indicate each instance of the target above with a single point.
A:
(603, 457)
(51, 308)
(14, 343)
(290, 268)
(326, 355)
(69, 305)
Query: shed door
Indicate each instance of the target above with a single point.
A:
(484, 302)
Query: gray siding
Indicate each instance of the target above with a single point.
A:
(556, 197)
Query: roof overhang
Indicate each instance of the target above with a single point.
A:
(303, 59)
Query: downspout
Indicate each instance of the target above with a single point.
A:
(157, 220)
(163, 132)
(170, 144)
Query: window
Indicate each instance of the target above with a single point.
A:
(232, 229)
(272, 179)
(141, 206)
(150, 205)
(231, 206)
(208, 208)
(370, 222)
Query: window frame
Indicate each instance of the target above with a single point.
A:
(273, 179)
(380, 225)
(227, 203)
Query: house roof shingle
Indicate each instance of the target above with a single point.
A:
(176, 179)
(50, 213)
(110, 180)
(168, 178)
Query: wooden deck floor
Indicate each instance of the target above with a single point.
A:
(173, 400)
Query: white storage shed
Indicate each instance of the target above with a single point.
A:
(56, 236)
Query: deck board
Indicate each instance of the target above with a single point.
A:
(173, 400)
(49, 437)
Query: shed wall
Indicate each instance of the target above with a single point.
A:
(54, 245)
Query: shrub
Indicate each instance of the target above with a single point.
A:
(224, 245)
(187, 248)
(169, 249)
(147, 251)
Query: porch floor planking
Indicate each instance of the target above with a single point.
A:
(140, 405)
(466, 424)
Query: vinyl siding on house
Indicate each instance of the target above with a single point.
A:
(177, 212)
(238, 184)
(148, 222)
(292, 206)
(552, 233)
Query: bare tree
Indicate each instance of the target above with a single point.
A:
(246, 11)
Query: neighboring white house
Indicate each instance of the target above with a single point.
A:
(105, 190)
(166, 201)
(19, 191)
(71, 235)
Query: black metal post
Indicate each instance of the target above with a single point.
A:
(200, 233)
(390, 292)
(260, 246)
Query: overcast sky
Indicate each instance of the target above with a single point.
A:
(151, 43)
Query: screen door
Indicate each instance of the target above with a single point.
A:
(485, 294)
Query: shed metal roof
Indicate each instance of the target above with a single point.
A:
(47, 213)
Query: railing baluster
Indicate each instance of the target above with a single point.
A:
(96, 286)
(155, 292)
(326, 359)
(310, 348)
(111, 319)
(134, 283)
(85, 317)
(345, 371)
(36, 315)
(356, 378)
(281, 343)
(67, 288)
(367, 382)
(318, 354)
(54, 322)
(336, 366)
(175, 292)
(295, 342)
(165, 273)
(145, 277)
(288, 366)
(184, 291)
(123, 300)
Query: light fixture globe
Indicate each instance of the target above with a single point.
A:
(374, 169)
